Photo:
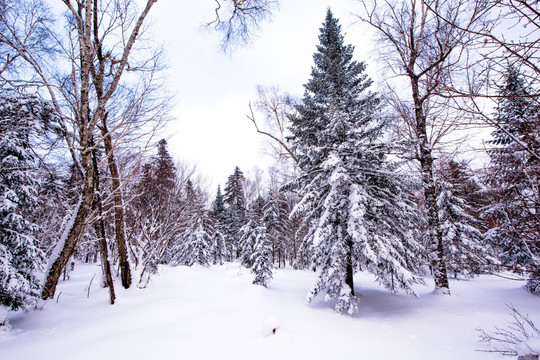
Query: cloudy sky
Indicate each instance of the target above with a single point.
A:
(213, 89)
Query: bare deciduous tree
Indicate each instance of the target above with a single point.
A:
(275, 107)
(237, 19)
(426, 51)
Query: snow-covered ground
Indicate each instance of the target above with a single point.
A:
(216, 313)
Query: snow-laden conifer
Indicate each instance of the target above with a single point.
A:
(197, 242)
(248, 239)
(278, 230)
(235, 213)
(20, 257)
(466, 253)
(261, 258)
(514, 178)
(355, 205)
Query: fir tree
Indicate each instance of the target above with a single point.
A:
(235, 216)
(466, 251)
(257, 207)
(20, 256)
(165, 171)
(514, 177)
(277, 225)
(355, 205)
(261, 258)
(217, 247)
(247, 241)
(198, 240)
(217, 215)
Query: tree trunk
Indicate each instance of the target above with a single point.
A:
(426, 163)
(349, 280)
(73, 233)
(120, 235)
(100, 232)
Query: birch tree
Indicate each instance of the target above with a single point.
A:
(426, 52)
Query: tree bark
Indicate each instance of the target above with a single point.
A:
(349, 278)
(120, 235)
(100, 232)
(73, 233)
(426, 163)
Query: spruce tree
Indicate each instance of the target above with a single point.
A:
(20, 256)
(356, 207)
(277, 225)
(235, 215)
(247, 241)
(514, 178)
(261, 258)
(198, 239)
(217, 215)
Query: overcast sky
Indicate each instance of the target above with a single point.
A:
(213, 89)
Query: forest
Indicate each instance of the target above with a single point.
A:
(366, 178)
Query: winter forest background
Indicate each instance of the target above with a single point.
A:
(366, 178)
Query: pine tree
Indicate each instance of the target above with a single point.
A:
(217, 247)
(466, 252)
(257, 207)
(247, 241)
(235, 216)
(157, 214)
(20, 256)
(277, 226)
(355, 205)
(165, 171)
(217, 215)
(262, 258)
(198, 240)
(514, 177)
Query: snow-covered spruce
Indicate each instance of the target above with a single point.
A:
(248, 240)
(198, 240)
(20, 256)
(262, 258)
(235, 213)
(514, 177)
(276, 221)
(466, 252)
(355, 204)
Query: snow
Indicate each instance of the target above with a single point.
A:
(216, 313)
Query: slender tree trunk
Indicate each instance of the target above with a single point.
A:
(73, 233)
(120, 235)
(100, 232)
(349, 278)
(426, 163)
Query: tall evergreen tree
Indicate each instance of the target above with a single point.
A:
(357, 209)
(514, 176)
(262, 258)
(466, 251)
(217, 215)
(198, 240)
(235, 216)
(248, 239)
(277, 225)
(20, 256)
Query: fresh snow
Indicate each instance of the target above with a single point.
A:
(216, 313)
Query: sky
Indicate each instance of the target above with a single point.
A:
(213, 89)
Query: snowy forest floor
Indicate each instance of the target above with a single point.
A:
(216, 313)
